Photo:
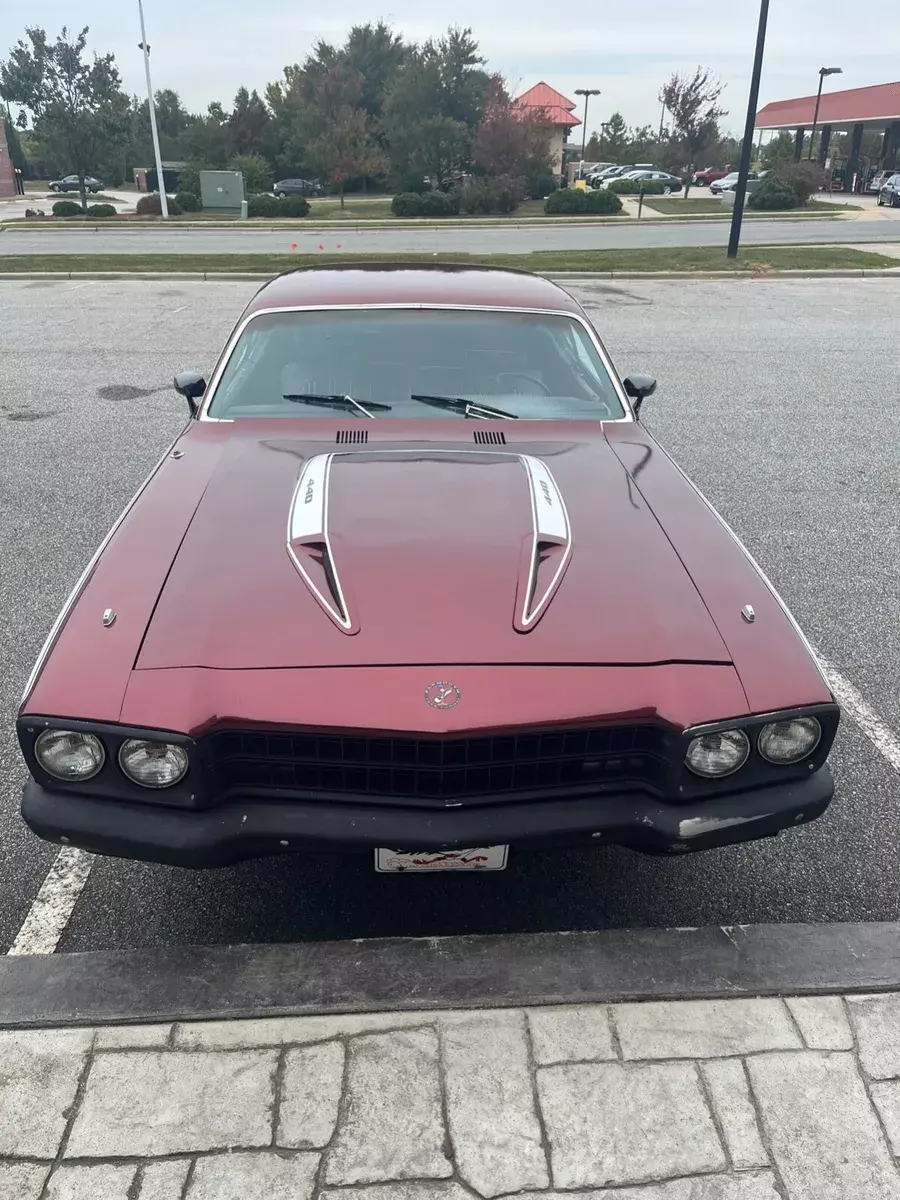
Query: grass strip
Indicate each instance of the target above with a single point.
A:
(674, 258)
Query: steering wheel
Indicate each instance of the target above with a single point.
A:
(536, 386)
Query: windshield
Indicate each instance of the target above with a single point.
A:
(527, 365)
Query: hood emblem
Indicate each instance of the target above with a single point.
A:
(442, 695)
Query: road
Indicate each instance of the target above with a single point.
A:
(772, 396)
(449, 239)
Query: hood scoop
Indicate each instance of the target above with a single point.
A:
(309, 542)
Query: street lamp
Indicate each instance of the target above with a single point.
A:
(587, 93)
(154, 133)
(823, 71)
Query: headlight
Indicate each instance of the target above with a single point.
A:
(68, 755)
(153, 764)
(785, 742)
(715, 754)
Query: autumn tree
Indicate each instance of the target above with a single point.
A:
(512, 143)
(78, 106)
(693, 108)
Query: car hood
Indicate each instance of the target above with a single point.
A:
(304, 554)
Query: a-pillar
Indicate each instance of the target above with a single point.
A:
(798, 144)
(824, 144)
(853, 161)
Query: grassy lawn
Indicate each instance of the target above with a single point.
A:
(675, 206)
(686, 259)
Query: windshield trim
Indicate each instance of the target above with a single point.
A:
(219, 369)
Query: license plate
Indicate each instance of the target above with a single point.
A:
(482, 858)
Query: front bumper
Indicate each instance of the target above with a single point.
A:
(235, 831)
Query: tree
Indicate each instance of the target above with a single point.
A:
(255, 170)
(376, 53)
(779, 150)
(248, 124)
(331, 125)
(79, 109)
(510, 142)
(615, 139)
(692, 105)
(205, 137)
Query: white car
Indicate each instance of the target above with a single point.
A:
(729, 183)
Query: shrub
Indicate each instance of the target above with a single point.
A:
(150, 205)
(565, 201)
(603, 201)
(426, 204)
(188, 202)
(633, 187)
(541, 186)
(101, 210)
(476, 197)
(773, 193)
(272, 206)
(255, 170)
(189, 177)
(505, 193)
(67, 208)
(805, 178)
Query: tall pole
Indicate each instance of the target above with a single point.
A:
(740, 191)
(662, 118)
(154, 132)
(812, 136)
(587, 93)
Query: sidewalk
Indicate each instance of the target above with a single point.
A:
(736, 1099)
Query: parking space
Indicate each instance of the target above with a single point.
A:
(772, 397)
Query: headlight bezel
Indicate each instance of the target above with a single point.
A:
(65, 731)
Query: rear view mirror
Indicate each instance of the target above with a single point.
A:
(639, 387)
(191, 385)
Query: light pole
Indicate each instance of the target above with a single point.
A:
(740, 191)
(823, 71)
(154, 133)
(587, 93)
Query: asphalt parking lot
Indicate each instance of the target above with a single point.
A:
(778, 397)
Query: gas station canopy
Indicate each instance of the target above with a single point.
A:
(875, 107)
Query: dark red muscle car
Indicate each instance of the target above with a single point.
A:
(415, 579)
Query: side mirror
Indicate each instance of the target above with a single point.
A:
(191, 385)
(639, 387)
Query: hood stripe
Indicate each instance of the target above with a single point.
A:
(551, 527)
(308, 527)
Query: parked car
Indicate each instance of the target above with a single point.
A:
(356, 608)
(671, 183)
(729, 182)
(602, 177)
(298, 187)
(69, 183)
(889, 192)
(709, 175)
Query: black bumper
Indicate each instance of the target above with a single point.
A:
(235, 831)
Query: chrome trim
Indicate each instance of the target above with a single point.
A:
(308, 522)
(763, 576)
(219, 370)
(109, 617)
(748, 613)
(551, 524)
(79, 587)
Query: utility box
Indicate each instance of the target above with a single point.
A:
(222, 192)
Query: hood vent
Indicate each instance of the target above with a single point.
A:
(489, 437)
(352, 435)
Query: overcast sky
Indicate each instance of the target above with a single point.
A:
(206, 49)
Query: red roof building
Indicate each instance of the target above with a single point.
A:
(876, 107)
(557, 109)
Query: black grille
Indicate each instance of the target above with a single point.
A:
(352, 435)
(489, 437)
(438, 769)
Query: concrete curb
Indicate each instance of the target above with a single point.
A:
(570, 276)
(199, 983)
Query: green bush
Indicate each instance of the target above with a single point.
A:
(476, 198)
(188, 202)
(189, 177)
(541, 186)
(566, 201)
(255, 170)
(805, 178)
(603, 201)
(101, 210)
(506, 193)
(426, 204)
(272, 206)
(150, 205)
(67, 208)
(773, 193)
(633, 187)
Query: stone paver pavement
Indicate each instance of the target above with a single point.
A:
(794, 1099)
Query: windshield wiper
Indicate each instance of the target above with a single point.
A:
(467, 407)
(335, 400)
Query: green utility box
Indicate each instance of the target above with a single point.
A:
(222, 192)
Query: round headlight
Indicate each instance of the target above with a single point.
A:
(68, 755)
(785, 742)
(715, 754)
(153, 764)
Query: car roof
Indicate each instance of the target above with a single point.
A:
(391, 283)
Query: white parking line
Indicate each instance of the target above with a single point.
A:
(882, 738)
(52, 906)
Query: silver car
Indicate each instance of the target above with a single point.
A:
(889, 192)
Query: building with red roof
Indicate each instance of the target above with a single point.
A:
(855, 111)
(557, 109)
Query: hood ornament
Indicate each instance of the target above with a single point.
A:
(442, 695)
